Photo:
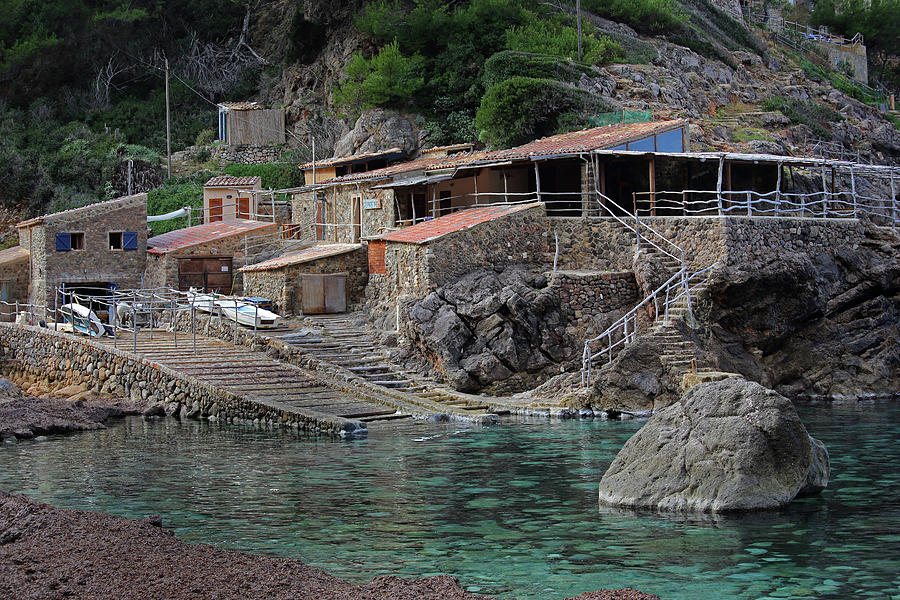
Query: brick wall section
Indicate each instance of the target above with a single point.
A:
(283, 285)
(60, 357)
(162, 269)
(376, 257)
(96, 262)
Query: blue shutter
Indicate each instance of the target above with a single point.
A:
(129, 240)
(63, 242)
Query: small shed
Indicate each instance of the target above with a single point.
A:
(281, 278)
(227, 198)
(207, 256)
(249, 124)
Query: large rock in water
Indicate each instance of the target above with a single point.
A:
(725, 446)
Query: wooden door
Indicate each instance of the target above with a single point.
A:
(313, 291)
(320, 221)
(207, 273)
(356, 232)
(215, 210)
(243, 208)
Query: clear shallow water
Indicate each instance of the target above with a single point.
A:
(510, 510)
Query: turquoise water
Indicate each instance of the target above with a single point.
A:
(510, 510)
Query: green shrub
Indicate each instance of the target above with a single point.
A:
(506, 64)
(555, 39)
(205, 137)
(814, 115)
(388, 79)
(457, 127)
(274, 175)
(840, 82)
(170, 197)
(652, 16)
(520, 109)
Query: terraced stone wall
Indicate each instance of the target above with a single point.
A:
(61, 357)
(587, 295)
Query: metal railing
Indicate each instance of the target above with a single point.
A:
(675, 291)
(815, 205)
(126, 312)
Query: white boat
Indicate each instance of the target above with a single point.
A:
(82, 319)
(246, 314)
(200, 301)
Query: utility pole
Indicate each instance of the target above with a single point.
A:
(578, 18)
(168, 134)
(314, 159)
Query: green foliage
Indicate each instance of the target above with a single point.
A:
(521, 108)
(555, 39)
(205, 137)
(650, 16)
(457, 127)
(174, 194)
(814, 115)
(274, 175)
(503, 65)
(840, 82)
(388, 79)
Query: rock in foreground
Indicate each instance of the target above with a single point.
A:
(725, 446)
(49, 553)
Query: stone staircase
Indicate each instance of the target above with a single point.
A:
(253, 375)
(344, 341)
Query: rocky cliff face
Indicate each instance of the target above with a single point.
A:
(827, 325)
(491, 331)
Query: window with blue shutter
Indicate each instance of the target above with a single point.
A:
(129, 240)
(63, 242)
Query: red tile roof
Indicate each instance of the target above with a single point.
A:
(87, 207)
(232, 181)
(465, 219)
(201, 234)
(303, 256)
(12, 255)
(574, 142)
(342, 160)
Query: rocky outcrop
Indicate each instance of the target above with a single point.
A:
(826, 325)
(491, 330)
(377, 130)
(729, 445)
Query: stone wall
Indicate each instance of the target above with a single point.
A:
(283, 285)
(747, 239)
(96, 262)
(247, 155)
(60, 357)
(853, 56)
(16, 273)
(584, 295)
(339, 203)
(162, 269)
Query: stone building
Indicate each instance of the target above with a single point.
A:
(207, 256)
(553, 170)
(227, 198)
(89, 250)
(13, 280)
(280, 278)
(323, 170)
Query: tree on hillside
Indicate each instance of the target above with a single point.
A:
(877, 20)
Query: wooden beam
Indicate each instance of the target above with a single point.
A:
(652, 165)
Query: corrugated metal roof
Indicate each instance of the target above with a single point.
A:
(576, 142)
(13, 255)
(240, 105)
(303, 256)
(233, 181)
(431, 230)
(201, 234)
(105, 203)
(346, 160)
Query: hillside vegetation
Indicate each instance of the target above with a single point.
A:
(83, 83)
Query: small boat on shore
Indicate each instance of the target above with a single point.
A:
(247, 314)
(82, 319)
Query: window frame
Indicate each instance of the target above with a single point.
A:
(109, 245)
